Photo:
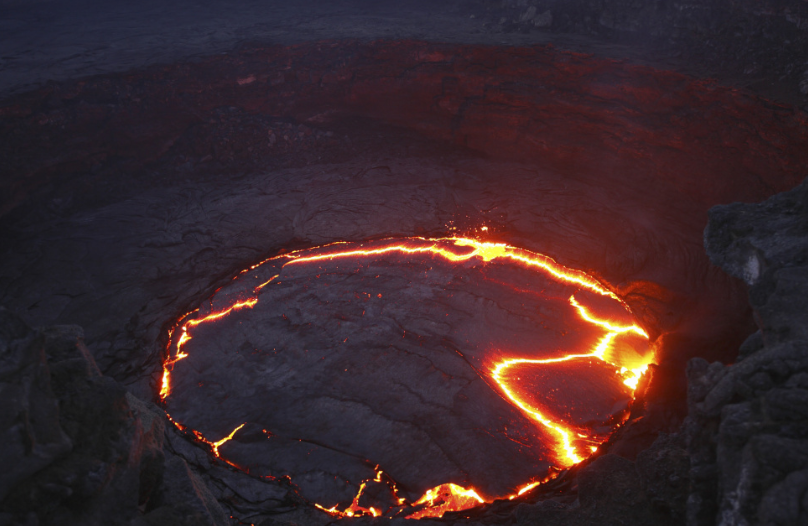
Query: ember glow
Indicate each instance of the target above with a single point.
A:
(567, 452)
(573, 443)
(354, 510)
(185, 337)
(446, 497)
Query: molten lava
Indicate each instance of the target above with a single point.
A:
(446, 497)
(573, 441)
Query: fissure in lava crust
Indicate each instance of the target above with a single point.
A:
(406, 376)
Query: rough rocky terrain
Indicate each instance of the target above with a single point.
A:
(746, 428)
(129, 199)
(79, 449)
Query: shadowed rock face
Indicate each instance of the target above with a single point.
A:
(747, 426)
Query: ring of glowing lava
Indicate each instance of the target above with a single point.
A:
(601, 342)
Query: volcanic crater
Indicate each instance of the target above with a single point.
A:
(160, 185)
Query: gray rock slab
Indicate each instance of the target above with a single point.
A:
(30, 430)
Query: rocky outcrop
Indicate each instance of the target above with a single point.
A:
(78, 449)
(31, 433)
(747, 428)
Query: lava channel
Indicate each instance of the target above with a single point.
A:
(453, 357)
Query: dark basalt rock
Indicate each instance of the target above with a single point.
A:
(615, 490)
(31, 433)
(78, 449)
(93, 468)
(664, 469)
(748, 422)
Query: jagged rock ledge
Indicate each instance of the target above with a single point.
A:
(747, 428)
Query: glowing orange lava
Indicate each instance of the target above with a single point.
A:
(185, 337)
(446, 497)
(564, 433)
(451, 497)
(354, 510)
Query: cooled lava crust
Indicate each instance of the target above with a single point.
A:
(451, 362)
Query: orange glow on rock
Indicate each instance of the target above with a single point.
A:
(603, 351)
(446, 497)
(217, 445)
(524, 489)
(214, 446)
(185, 337)
(568, 448)
(354, 510)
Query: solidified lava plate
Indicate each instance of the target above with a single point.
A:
(406, 376)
